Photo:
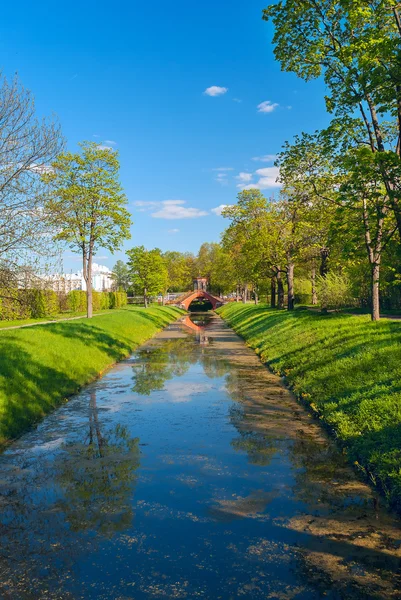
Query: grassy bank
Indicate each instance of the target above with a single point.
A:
(347, 368)
(41, 366)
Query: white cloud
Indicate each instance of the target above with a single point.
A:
(105, 147)
(244, 177)
(174, 209)
(265, 158)
(172, 231)
(146, 205)
(219, 209)
(110, 142)
(267, 178)
(222, 178)
(215, 90)
(267, 106)
(222, 169)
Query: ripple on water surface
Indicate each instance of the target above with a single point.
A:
(188, 471)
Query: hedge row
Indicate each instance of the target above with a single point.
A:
(36, 304)
(76, 300)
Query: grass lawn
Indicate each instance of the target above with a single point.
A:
(64, 315)
(41, 366)
(347, 368)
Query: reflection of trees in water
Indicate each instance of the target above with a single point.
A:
(97, 477)
(88, 487)
(259, 448)
(172, 358)
(156, 365)
(344, 545)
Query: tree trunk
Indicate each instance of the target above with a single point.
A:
(89, 294)
(237, 295)
(280, 290)
(256, 296)
(290, 284)
(145, 297)
(245, 296)
(375, 292)
(273, 292)
(313, 280)
(324, 259)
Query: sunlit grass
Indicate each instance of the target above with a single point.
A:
(347, 368)
(41, 366)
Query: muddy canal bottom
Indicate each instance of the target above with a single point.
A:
(188, 471)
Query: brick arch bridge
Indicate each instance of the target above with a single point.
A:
(186, 301)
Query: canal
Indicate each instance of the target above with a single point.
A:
(189, 471)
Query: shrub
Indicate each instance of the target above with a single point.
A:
(334, 291)
(76, 301)
(105, 301)
(13, 305)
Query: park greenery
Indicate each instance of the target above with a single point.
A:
(86, 205)
(43, 365)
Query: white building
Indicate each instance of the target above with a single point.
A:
(102, 280)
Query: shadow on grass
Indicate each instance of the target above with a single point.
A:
(28, 388)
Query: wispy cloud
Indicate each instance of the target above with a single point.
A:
(110, 142)
(215, 90)
(264, 179)
(244, 177)
(173, 231)
(267, 106)
(222, 169)
(106, 147)
(222, 178)
(238, 100)
(219, 209)
(170, 209)
(267, 179)
(266, 158)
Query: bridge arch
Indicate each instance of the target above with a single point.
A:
(198, 294)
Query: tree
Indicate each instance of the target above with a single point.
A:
(148, 271)
(180, 267)
(87, 205)
(246, 239)
(27, 147)
(355, 45)
(120, 276)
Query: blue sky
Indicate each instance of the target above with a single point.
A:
(133, 75)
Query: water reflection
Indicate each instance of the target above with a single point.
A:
(198, 322)
(97, 476)
(189, 471)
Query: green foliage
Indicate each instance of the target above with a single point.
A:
(148, 271)
(44, 364)
(334, 291)
(76, 301)
(42, 303)
(120, 276)
(87, 204)
(347, 368)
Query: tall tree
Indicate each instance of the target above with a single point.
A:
(27, 147)
(87, 205)
(120, 276)
(356, 46)
(148, 271)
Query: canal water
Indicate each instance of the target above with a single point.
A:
(189, 471)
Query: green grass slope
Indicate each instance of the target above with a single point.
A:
(41, 366)
(347, 368)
